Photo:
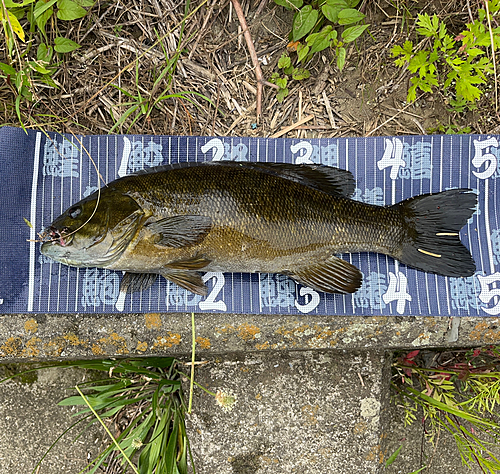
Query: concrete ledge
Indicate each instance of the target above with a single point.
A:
(297, 412)
(74, 336)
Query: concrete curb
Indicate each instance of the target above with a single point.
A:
(28, 337)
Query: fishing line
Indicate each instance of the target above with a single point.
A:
(44, 235)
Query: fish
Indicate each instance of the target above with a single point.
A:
(183, 219)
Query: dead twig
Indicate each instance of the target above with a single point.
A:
(292, 127)
(392, 118)
(253, 55)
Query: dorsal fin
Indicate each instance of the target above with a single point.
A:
(323, 178)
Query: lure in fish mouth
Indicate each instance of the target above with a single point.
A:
(180, 220)
(63, 236)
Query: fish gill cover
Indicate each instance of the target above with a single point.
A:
(45, 173)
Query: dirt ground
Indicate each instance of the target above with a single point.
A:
(120, 79)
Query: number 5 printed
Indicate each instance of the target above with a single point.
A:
(489, 293)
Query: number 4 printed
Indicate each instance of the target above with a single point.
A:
(396, 291)
(392, 157)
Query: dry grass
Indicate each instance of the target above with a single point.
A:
(367, 98)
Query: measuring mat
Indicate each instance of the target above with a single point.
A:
(44, 173)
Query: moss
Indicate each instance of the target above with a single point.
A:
(9, 370)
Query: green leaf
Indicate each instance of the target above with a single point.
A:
(274, 76)
(341, 54)
(281, 82)
(290, 4)
(18, 12)
(284, 61)
(418, 470)
(72, 401)
(300, 73)
(42, 15)
(397, 50)
(321, 40)
(350, 16)
(331, 11)
(69, 10)
(428, 26)
(65, 45)
(20, 80)
(85, 3)
(418, 62)
(11, 4)
(353, 32)
(393, 456)
(473, 52)
(466, 89)
(302, 51)
(339, 3)
(38, 67)
(304, 22)
(8, 69)
(282, 93)
(44, 53)
(41, 7)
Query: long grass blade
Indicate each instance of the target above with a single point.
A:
(107, 430)
(193, 358)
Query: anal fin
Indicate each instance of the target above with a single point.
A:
(333, 275)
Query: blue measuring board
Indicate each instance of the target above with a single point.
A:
(44, 173)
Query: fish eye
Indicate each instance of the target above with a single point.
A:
(74, 212)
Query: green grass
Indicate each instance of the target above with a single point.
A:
(460, 398)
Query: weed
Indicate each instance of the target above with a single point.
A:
(141, 104)
(313, 31)
(148, 393)
(459, 396)
(24, 70)
(460, 62)
(449, 129)
(157, 431)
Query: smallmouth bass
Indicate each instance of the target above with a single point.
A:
(179, 220)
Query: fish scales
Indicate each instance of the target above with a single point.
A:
(278, 216)
(254, 217)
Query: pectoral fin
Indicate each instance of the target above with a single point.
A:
(180, 231)
(331, 276)
(132, 282)
(189, 280)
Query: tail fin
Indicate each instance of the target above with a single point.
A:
(433, 222)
